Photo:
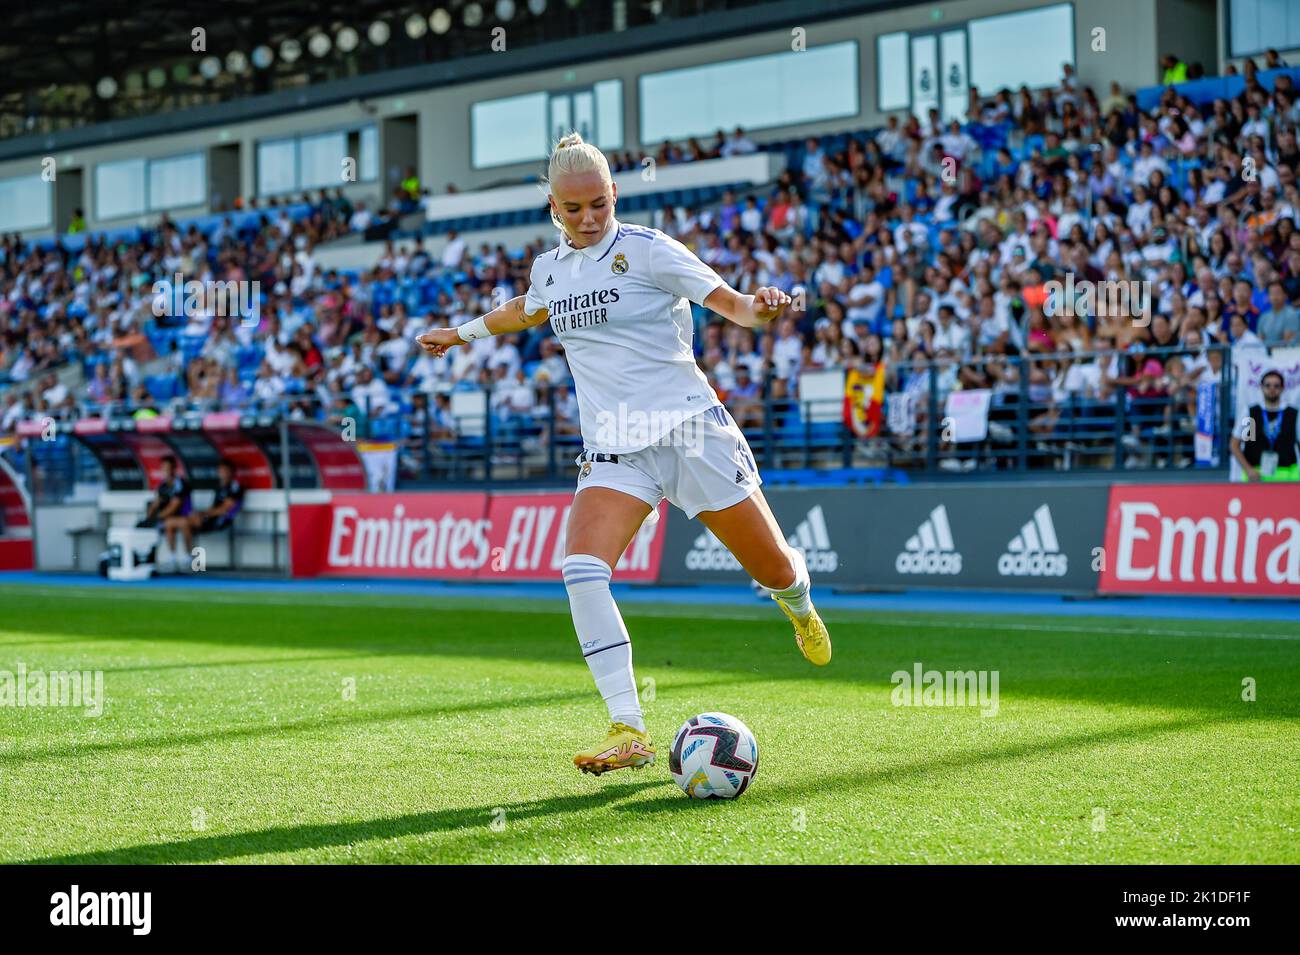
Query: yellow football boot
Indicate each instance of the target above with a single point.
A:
(814, 642)
(623, 747)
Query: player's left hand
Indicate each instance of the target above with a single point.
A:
(436, 341)
(769, 302)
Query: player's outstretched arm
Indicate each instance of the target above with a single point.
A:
(509, 317)
(751, 311)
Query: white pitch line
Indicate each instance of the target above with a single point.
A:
(632, 609)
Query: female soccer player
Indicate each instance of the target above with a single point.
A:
(617, 297)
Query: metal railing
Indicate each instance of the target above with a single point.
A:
(1033, 424)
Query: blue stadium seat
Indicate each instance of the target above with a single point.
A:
(162, 387)
(191, 346)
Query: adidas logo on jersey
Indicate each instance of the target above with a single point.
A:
(550, 280)
(1035, 551)
(709, 553)
(930, 550)
(812, 538)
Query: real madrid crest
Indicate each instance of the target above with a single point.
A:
(586, 469)
(619, 265)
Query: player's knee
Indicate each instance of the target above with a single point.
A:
(584, 573)
(783, 570)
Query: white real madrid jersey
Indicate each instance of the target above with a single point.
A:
(620, 308)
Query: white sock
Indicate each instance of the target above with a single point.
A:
(605, 643)
(796, 596)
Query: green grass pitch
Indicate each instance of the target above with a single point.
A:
(228, 736)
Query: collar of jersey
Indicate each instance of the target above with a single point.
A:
(592, 252)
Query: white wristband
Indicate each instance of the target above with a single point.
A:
(474, 330)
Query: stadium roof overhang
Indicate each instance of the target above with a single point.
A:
(72, 44)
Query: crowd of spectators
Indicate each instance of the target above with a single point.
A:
(921, 250)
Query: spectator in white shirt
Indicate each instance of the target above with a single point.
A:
(370, 394)
(909, 233)
(454, 252)
(19, 407)
(866, 299)
(268, 386)
(392, 354)
(814, 164)
(738, 144)
(504, 354)
(55, 391)
(1158, 252)
(1070, 217)
(1255, 125)
(830, 272)
(946, 204)
(1147, 163)
(787, 352)
(429, 373)
(1138, 218)
(511, 392)
(361, 218)
(891, 140)
(949, 334)
(553, 367)
(957, 143)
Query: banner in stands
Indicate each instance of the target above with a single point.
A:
(968, 413)
(380, 460)
(1004, 536)
(451, 536)
(1207, 422)
(1203, 539)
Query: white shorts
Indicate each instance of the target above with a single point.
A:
(704, 464)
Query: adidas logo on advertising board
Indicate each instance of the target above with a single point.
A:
(810, 536)
(1034, 551)
(931, 549)
(709, 553)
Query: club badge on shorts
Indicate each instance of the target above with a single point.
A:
(619, 265)
(585, 470)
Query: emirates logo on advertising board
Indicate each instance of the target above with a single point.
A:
(399, 541)
(1203, 538)
(453, 536)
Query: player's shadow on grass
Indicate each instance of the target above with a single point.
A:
(952, 762)
(326, 722)
(217, 664)
(1116, 667)
(473, 820)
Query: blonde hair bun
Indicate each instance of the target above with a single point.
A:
(573, 154)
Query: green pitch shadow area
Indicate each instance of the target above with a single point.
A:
(273, 727)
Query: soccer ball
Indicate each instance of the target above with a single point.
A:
(714, 756)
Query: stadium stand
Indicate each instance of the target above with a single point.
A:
(919, 253)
